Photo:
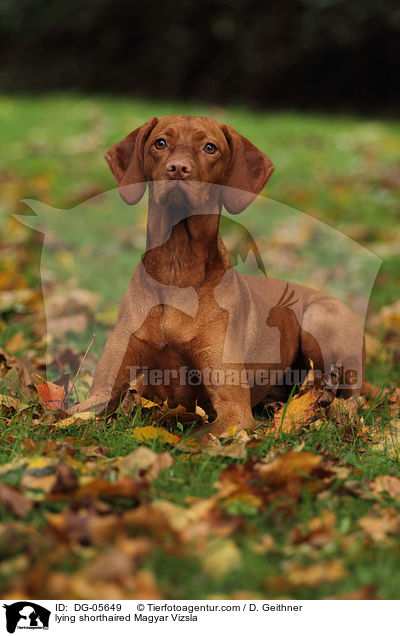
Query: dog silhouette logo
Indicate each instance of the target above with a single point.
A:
(26, 615)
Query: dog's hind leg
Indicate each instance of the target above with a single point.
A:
(331, 334)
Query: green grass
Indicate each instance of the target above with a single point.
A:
(181, 576)
(339, 170)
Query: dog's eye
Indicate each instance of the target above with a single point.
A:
(210, 148)
(160, 144)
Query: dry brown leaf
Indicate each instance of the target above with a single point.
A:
(139, 585)
(133, 548)
(68, 302)
(61, 325)
(242, 595)
(180, 414)
(366, 593)
(157, 519)
(386, 484)
(388, 439)
(390, 316)
(163, 413)
(191, 528)
(111, 565)
(393, 396)
(44, 483)
(19, 300)
(130, 401)
(342, 411)
(264, 544)
(145, 586)
(14, 501)
(379, 524)
(291, 466)
(84, 521)
(75, 586)
(144, 462)
(66, 480)
(313, 575)
(236, 449)
(94, 452)
(124, 487)
(6, 359)
(12, 403)
(44, 446)
(319, 531)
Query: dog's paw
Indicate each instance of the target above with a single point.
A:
(95, 405)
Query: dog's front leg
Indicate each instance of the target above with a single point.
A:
(113, 372)
(233, 409)
(230, 398)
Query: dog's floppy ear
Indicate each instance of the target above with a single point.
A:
(126, 162)
(248, 172)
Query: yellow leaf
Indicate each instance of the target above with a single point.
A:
(10, 402)
(148, 404)
(76, 419)
(222, 557)
(16, 343)
(148, 433)
(300, 410)
(231, 431)
(39, 464)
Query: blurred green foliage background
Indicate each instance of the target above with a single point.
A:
(341, 170)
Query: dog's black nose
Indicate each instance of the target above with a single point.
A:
(179, 169)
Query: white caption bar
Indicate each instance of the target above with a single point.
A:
(172, 617)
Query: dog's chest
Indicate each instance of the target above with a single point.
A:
(166, 326)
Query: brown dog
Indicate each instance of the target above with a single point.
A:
(186, 308)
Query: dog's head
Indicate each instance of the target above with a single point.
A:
(184, 158)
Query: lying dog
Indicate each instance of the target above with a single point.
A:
(186, 308)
